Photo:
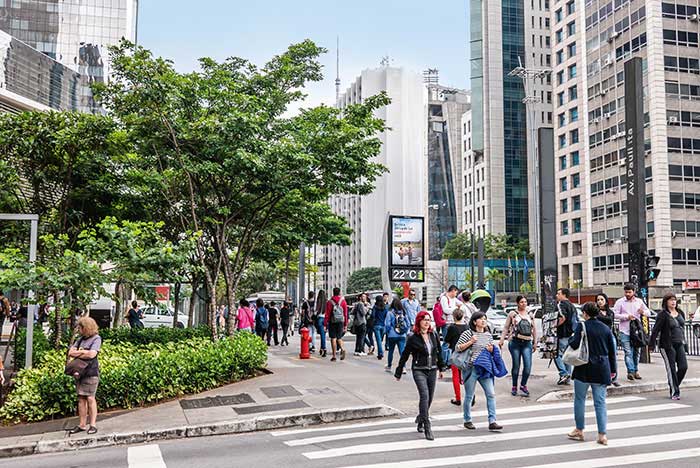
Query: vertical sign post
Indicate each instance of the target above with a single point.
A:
(548, 226)
(636, 189)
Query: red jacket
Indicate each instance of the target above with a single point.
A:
(329, 310)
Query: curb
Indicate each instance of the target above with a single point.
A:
(261, 423)
(559, 395)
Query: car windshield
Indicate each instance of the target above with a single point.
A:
(495, 314)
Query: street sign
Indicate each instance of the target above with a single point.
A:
(691, 285)
(324, 264)
(408, 275)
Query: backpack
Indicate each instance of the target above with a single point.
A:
(400, 326)
(337, 315)
(523, 330)
(438, 314)
(638, 338)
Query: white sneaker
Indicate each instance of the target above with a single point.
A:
(362, 354)
(387, 369)
(355, 353)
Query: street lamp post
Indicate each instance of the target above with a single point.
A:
(31, 308)
(528, 77)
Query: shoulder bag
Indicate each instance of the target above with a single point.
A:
(76, 367)
(578, 357)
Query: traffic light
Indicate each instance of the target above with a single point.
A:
(651, 273)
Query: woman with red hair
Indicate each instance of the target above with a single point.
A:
(424, 346)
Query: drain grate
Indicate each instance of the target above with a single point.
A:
(212, 402)
(271, 407)
(280, 391)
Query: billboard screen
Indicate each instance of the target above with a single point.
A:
(406, 241)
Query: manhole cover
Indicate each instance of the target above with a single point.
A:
(211, 402)
(271, 407)
(280, 391)
(321, 391)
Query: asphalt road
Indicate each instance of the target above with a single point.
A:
(646, 431)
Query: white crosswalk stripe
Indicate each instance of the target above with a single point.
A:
(145, 456)
(657, 431)
(460, 428)
(445, 417)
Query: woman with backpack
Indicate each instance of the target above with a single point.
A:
(520, 331)
(396, 326)
(454, 331)
(379, 313)
(669, 327)
(262, 319)
(319, 319)
(424, 346)
(359, 324)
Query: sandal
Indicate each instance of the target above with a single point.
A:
(75, 430)
(575, 435)
(92, 430)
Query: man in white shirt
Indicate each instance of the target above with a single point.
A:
(628, 308)
(449, 304)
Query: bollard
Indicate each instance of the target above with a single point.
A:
(305, 340)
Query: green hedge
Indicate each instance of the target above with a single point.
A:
(160, 335)
(40, 346)
(132, 375)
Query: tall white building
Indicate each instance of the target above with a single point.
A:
(591, 42)
(402, 189)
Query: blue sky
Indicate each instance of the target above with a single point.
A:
(414, 34)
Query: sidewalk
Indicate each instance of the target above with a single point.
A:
(296, 392)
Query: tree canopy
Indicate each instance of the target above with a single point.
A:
(495, 246)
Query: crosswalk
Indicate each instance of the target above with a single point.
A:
(649, 432)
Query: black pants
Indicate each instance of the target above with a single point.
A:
(272, 333)
(425, 383)
(285, 330)
(676, 366)
(360, 332)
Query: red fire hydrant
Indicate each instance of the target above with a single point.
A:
(305, 340)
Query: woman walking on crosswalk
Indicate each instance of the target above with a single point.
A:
(597, 373)
(424, 346)
(668, 328)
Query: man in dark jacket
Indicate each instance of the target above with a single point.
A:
(336, 326)
(566, 325)
(273, 325)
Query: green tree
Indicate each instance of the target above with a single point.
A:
(259, 276)
(495, 276)
(495, 246)
(218, 151)
(365, 279)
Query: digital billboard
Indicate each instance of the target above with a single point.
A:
(406, 248)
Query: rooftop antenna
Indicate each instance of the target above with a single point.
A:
(337, 69)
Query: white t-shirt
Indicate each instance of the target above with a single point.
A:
(449, 305)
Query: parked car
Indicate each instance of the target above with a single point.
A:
(162, 316)
(497, 321)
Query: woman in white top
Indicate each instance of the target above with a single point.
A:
(520, 331)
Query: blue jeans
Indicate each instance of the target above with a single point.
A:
(399, 341)
(520, 349)
(559, 361)
(379, 331)
(312, 335)
(601, 411)
(470, 387)
(321, 331)
(631, 354)
(369, 337)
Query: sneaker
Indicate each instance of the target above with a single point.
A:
(524, 390)
(469, 425)
(637, 376)
(404, 372)
(676, 397)
(495, 427)
(514, 391)
(355, 353)
(362, 354)
(616, 383)
(562, 380)
(387, 369)
(568, 380)
(630, 376)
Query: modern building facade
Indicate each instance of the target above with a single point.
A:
(402, 189)
(504, 36)
(444, 157)
(30, 80)
(75, 33)
(591, 41)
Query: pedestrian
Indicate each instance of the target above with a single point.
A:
(87, 347)
(597, 373)
(454, 331)
(134, 316)
(262, 318)
(521, 334)
(669, 326)
(469, 308)
(566, 324)
(379, 312)
(396, 328)
(449, 303)
(607, 316)
(5, 310)
(369, 318)
(478, 338)
(273, 324)
(627, 309)
(411, 307)
(336, 321)
(424, 346)
(285, 315)
(320, 318)
(245, 317)
(307, 318)
(359, 323)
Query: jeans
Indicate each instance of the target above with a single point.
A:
(520, 349)
(379, 331)
(321, 331)
(425, 383)
(312, 334)
(489, 391)
(676, 366)
(601, 411)
(392, 343)
(631, 354)
(443, 332)
(369, 337)
(272, 330)
(360, 331)
(564, 369)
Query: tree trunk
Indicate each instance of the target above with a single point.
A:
(230, 297)
(286, 273)
(176, 308)
(118, 304)
(193, 296)
(57, 321)
(211, 301)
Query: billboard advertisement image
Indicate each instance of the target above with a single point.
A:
(406, 241)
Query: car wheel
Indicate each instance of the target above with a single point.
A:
(179, 325)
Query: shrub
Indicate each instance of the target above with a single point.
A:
(154, 335)
(134, 375)
(40, 346)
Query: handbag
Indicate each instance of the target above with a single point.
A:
(76, 367)
(461, 359)
(578, 357)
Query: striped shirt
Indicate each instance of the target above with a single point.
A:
(482, 341)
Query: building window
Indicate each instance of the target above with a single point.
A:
(570, 7)
(573, 136)
(565, 250)
(559, 35)
(571, 28)
(572, 71)
(564, 206)
(574, 158)
(573, 93)
(562, 140)
(573, 114)
(562, 163)
(563, 185)
(571, 48)
(577, 225)
(560, 98)
(562, 119)
(560, 57)
(560, 77)
(564, 226)
(558, 15)
(576, 203)
(577, 248)
(575, 181)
